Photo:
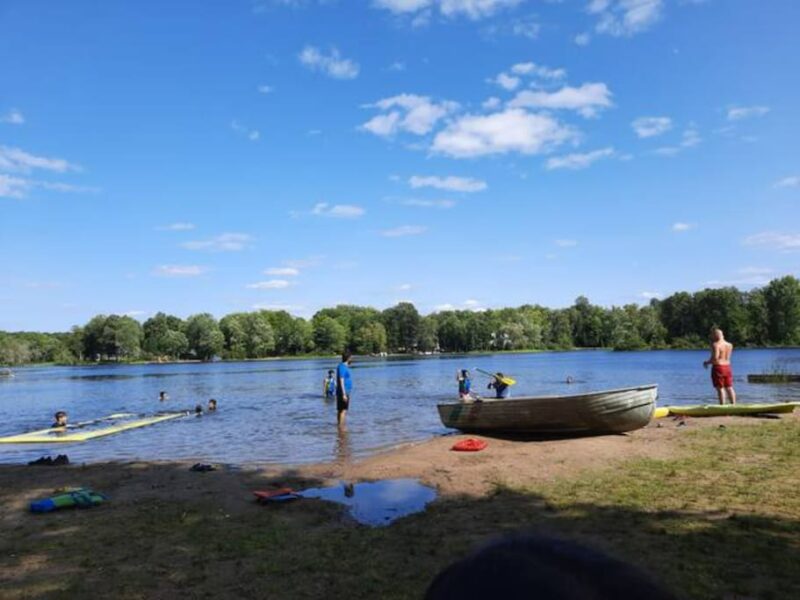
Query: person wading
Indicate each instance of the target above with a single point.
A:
(720, 361)
(344, 388)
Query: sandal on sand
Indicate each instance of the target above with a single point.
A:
(202, 468)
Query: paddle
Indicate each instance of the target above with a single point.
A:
(504, 379)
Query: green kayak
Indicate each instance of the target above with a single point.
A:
(719, 410)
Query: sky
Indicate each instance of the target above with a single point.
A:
(224, 156)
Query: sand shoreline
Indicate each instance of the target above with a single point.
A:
(504, 462)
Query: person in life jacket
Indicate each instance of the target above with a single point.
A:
(329, 385)
(464, 384)
(500, 387)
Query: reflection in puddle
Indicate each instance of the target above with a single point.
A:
(379, 503)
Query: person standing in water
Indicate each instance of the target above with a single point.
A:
(344, 388)
(501, 388)
(720, 361)
(329, 385)
(464, 385)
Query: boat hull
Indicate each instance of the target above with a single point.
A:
(612, 411)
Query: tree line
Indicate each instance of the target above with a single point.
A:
(759, 317)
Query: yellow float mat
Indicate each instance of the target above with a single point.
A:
(661, 412)
(718, 410)
(59, 435)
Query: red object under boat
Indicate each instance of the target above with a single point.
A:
(469, 445)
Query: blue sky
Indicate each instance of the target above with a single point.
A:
(225, 156)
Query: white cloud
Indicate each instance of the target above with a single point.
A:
(646, 127)
(491, 103)
(737, 113)
(251, 134)
(134, 313)
(578, 160)
(226, 242)
(681, 227)
(424, 203)
(179, 270)
(472, 9)
(332, 64)
(404, 287)
(338, 211)
(777, 241)
(540, 71)
(177, 227)
(272, 284)
(788, 182)
(13, 117)
(582, 39)
(18, 187)
(651, 295)
(566, 243)
(19, 161)
(512, 130)
(470, 304)
(450, 183)
(587, 99)
(506, 81)
(527, 27)
(689, 139)
(402, 6)
(404, 231)
(625, 17)
(13, 187)
(408, 113)
(282, 272)
(265, 89)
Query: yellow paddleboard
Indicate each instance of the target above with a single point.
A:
(61, 435)
(661, 412)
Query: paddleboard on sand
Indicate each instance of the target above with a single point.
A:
(719, 410)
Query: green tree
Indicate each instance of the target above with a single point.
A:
(782, 297)
(370, 339)
(234, 329)
(402, 326)
(330, 336)
(204, 336)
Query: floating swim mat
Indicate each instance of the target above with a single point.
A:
(80, 433)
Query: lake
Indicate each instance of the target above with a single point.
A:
(273, 411)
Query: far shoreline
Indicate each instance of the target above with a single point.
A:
(366, 357)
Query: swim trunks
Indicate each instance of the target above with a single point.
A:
(722, 376)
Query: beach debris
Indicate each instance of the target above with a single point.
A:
(48, 461)
(470, 445)
(68, 498)
(279, 495)
(202, 468)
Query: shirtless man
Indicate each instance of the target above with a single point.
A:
(720, 361)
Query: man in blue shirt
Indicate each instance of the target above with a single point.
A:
(344, 388)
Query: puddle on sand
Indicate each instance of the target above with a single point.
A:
(380, 502)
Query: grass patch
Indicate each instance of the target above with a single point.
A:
(720, 520)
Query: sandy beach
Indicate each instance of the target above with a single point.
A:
(159, 514)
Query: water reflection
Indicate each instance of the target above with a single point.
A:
(378, 503)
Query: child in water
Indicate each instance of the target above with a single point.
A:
(212, 405)
(329, 386)
(162, 396)
(501, 388)
(464, 385)
(60, 419)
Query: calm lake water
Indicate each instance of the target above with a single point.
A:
(273, 412)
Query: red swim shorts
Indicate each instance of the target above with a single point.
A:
(722, 376)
